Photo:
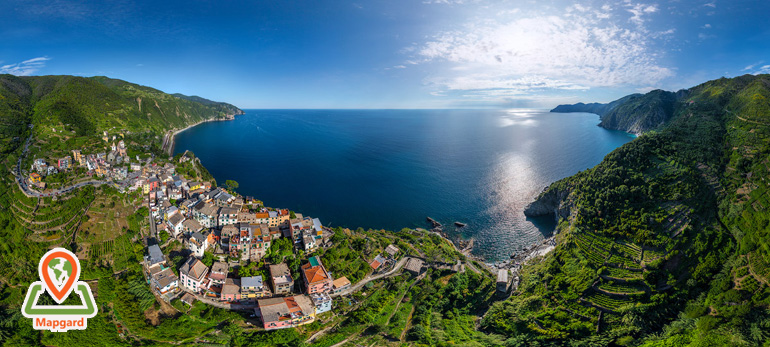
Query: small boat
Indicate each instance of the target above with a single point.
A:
(459, 225)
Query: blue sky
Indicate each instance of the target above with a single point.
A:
(390, 53)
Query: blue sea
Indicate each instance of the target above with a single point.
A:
(390, 169)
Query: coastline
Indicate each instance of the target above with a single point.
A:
(169, 140)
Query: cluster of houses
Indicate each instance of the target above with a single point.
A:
(238, 230)
(102, 164)
(276, 301)
(215, 220)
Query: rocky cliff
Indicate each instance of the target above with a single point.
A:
(635, 113)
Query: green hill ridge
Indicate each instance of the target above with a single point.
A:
(664, 243)
(666, 239)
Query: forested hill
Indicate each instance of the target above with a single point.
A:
(665, 242)
(635, 113)
(87, 106)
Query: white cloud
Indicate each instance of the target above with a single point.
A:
(448, 2)
(25, 68)
(710, 4)
(543, 52)
(752, 66)
(765, 69)
(639, 11)
(707, 26)
(399, 67)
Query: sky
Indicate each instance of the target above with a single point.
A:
(390, 53)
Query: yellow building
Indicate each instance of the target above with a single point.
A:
(34, 177)
(77, 156)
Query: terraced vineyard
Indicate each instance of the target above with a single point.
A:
(52, 219)
(606, 302)
(630, 288)
(623, 274)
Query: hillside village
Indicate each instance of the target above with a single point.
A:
(238, 231)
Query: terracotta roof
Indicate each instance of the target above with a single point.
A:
(315, 274)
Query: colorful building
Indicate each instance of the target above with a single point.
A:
(317, 279)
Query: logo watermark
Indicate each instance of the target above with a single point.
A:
(59, 271)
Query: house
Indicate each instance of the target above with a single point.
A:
(188, 298)
(502, 280)
(34, 178)
(155, 256)
(218, 273)
(52, 171)
(317, 227)
(190, 226)
(322, 302)
(206, 214)
(64, 163)
(392, 250)
(414, 266)
(339, 285)
(193, 275)
(281, 278)
(246, 217)
(317, 279)
(273, 218)
(231, 290)
(174, 224)
(164, 281)
(309, 242)
(40, 165)
(227, 216)
(154, 183)
(194, 185)
(78, 157)
(253, 288)
(197, 244)
(377, 262)
(280, 313)
(136, 166)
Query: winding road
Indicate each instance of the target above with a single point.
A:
(399, 265)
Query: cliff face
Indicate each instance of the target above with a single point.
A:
(554, 201)
(640, 114)
(635, 113)
(550, 202)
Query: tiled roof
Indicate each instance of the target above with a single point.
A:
(220, 267)
(194, 268)
(315, 273)
(341, 282)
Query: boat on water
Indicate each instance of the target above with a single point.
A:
(459, 225)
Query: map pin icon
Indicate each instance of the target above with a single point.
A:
(65, 266)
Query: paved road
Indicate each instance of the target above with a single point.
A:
(220, 304)
(22, 182)
(29, 192)
(400, 264)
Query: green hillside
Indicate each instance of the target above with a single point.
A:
(67, 106)
(665, 241)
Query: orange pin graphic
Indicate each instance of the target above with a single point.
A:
(59, 269)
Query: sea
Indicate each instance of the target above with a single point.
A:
(390, 169)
